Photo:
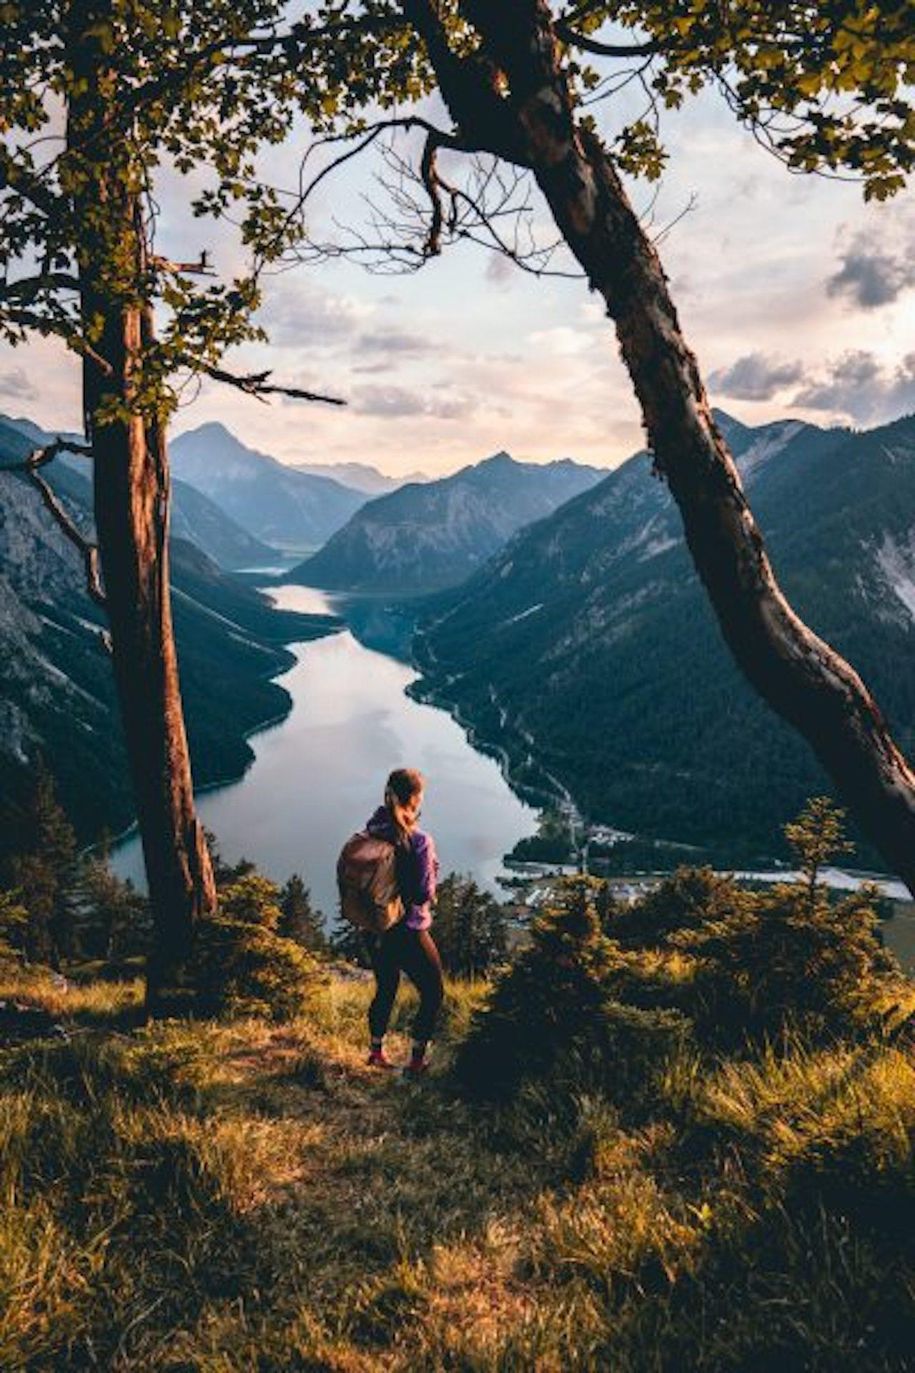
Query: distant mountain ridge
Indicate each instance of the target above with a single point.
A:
(426, 537)
(275, 503)
(360, 476)
(589, 642)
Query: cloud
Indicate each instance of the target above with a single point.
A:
(395, 341)
(299, 315)
(755, 377)
(860, 388)
(372, 368)
(393, 402)
(870, 277)
(16, 384)
(562, 341)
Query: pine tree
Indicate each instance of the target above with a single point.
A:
(816, 836)
(298, 920)
(470, 928)
(14, 923)
(114, 920)
(45, 874)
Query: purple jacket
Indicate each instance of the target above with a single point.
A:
(417, 868)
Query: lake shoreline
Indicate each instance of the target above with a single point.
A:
(433, 690)
(285, 647)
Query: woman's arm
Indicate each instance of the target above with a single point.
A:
(426, 867)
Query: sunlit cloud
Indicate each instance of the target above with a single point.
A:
(299, 314)
(858, 387)
(394, 402)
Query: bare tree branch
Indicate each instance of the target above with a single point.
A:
(88, 550)
(201, 267)
(257, 384)
(38, 458)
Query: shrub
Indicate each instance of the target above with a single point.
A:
(240, 965)
(242, 969)
(699, 959)
(470, 928)
(787, 959)
(689, 899)
(560, 1013)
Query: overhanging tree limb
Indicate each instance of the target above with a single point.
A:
(258, 384)
(585, 43)
(88, 550)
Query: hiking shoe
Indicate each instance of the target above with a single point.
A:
(416, 1068)
(377, 1059)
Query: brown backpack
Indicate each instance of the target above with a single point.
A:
(367, 881)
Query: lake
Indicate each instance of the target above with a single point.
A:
(318, 775)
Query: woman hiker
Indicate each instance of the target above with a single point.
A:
(408, 946)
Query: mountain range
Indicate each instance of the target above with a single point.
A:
(275, 503)
(430, 536)
(586, 648)
(581, 643)
(194, 515)
(56, 685)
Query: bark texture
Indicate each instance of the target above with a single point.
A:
(799, 675)
(131, 484)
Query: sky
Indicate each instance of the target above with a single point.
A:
(798, 299)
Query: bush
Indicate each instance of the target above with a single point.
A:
(602, 995)
(785, 960)
(560, 1014)
(240, 966)
(689, 899)
(470, 929)
(241, 969)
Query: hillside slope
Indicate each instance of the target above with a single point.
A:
(57, 693)
(251, 1196)
(589, 639)
(194, 516)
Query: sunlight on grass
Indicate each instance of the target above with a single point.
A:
(241, 1195)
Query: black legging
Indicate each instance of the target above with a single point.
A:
(411, 951)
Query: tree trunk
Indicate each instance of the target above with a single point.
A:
(131, 483)
(799, 675)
